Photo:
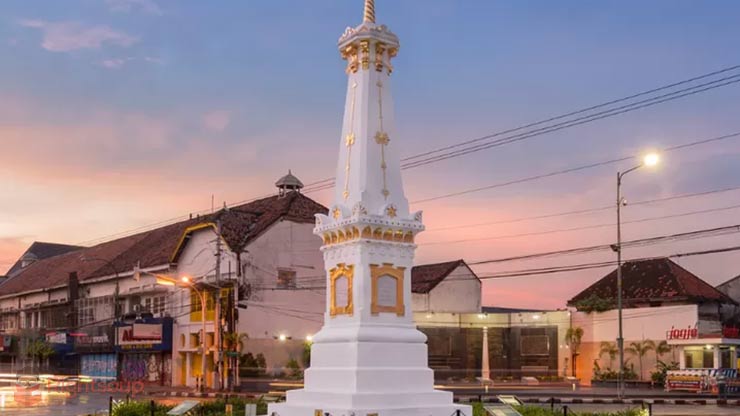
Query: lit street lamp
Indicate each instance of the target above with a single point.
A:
(185, 280)
(649, 160)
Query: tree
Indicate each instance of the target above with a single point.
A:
(661, 349)
(640, 349)
(38, 350)
(573, 338)
(610, 349)
(306, 357)
(235, 341)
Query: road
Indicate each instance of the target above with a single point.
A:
(664, 410)
(90, 403)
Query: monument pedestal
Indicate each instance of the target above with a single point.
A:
(369, 369)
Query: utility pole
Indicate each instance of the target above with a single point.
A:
(217, 320)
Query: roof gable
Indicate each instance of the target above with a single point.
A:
(652, 280)
(425, 277)
(42, 250)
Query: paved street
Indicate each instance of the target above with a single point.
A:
(667, 410)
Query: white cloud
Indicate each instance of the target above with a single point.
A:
(217, 120)
(114, 63)
(70, 36)
(127, 6)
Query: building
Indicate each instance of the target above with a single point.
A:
(519, 343)
(445, 287)
(268, 254)
(659, 297)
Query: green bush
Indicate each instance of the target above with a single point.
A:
(218, 407)
(545, 411)
(251, 366)
(208, 408)
(138, 408)
(293, 369)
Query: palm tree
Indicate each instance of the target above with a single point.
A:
(610, 349)
(640, 349)
(661, 349)
(573, 338)
(235, 341)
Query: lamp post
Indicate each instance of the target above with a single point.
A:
(651, 159)
(167, 281)
(203, 300)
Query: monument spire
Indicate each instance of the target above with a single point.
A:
(368, 358)
(369, 16)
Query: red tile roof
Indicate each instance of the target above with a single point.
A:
(240, 225)
(41, 250)
(426, 277)
(653, 280)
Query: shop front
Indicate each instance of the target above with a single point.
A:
(98, 358)
(144, 350)
(7, 354)
(64, 360)
(708, 363)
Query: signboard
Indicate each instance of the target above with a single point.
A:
(151, 335)
(730, 332)
(5, 342)
(183, 408)
(682, 333)
(56, 338)
(500, 409)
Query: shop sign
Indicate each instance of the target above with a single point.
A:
(56, 338)
(5, 341)
(94, 340)
(690, 332)
(730, 332)
(139, 336)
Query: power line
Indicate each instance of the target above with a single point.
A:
(583, 211)
(571, 170)
(587, 266)
(572, 113)
(587, 227)
(573, 123)
(582, 120)
(719, 231)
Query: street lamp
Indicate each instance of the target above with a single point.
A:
(167, 281)
(649, 160)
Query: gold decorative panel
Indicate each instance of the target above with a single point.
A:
(386, 271)
(342, 271)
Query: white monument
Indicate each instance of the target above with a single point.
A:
(369, 358)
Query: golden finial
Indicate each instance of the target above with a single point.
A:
(369, 11)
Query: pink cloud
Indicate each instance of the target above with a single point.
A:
(70, 36)
(217, 120)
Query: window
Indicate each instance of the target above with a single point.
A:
(286, 279)
(699, 358)
(91, 310)
(155, 304)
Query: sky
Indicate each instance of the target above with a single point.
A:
(119, 114)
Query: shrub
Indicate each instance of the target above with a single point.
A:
(251, 366)
(293, 369)
(138, 408)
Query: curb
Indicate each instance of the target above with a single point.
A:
(635, 401)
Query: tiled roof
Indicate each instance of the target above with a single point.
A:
(42, 250)
(653, 280)
(240, 225)
(426, 277)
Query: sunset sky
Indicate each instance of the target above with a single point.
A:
(118, 114)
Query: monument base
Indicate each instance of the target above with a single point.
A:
(369, 369)
(434, 403)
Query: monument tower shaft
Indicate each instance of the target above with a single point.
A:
(368, 358)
